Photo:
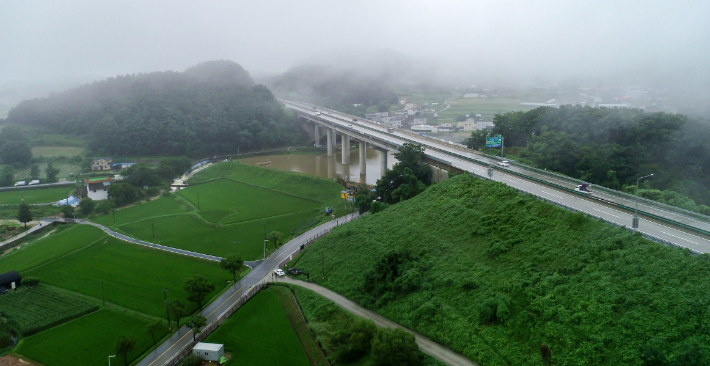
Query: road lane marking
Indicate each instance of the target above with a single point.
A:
(545, 192)
(161, 355)
(680, 238)
(604, 212)
(225, 301)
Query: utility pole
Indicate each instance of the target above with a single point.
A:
(635, 220)
(236, 246)
(167, 313)
(502, 146)
(264, 223)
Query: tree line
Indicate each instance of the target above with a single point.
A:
(209, 109)
(613, 147)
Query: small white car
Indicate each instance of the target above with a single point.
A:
(279, 272)
(504, 163)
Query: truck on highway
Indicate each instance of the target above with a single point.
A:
(583, 189)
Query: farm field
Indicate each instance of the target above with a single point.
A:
(260, 334)
(319, 189)
(162, 206)
(87, 341)
(32, 196)
(487, 107)
(229, 212)
(56, 151)
(50, 248)
(132, 276)
(190, 232)
(41, 307)
(225, 201)
(510, 272)
(65, 170)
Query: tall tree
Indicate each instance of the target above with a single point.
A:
(86, 206)
(8, 175)
(232, 263)
(24, 214)
(125, 344)
(155, 329)
(51, 172)
(68, 212)
(196, 323)
(178, 309)
(274, 237)
(198, 287)
(394, 347)
(15, 152)
(34, 171)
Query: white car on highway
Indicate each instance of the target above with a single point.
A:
(279, 272)
(504, 163)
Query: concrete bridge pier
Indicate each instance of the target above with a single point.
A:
(317, 135)
(383, 161)
(329, 134)
(363, 157)
(345, 148)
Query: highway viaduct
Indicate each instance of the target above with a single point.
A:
(661, 223)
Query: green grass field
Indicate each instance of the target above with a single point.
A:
(260, 334)
(487, 107)
(41, 306)
(192, 233)
(56, 151)
(132, 276)
(225, 202)
(32, 196)
(159, 207)
(50, 248)
(87, 341)
(229, 212)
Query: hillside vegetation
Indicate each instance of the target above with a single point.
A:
(508, 273)
(613, 147)
(210, 108)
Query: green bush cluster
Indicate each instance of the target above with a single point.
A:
(502, 273)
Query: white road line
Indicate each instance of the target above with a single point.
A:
(604, 212)
(680, 238)
(543, 191)
(670, 228)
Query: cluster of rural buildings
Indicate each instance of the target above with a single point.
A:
(96, 188)
(413, 115)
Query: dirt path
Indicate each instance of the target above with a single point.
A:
(427, 346)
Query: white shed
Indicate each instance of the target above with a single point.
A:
(208, 351)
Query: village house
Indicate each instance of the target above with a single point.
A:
(101, 164)
(97, 188)
(419, 121)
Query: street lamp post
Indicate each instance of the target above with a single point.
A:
(635, 222)
(265, 248)
(109, 359)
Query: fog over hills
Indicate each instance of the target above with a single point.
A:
(588, 43)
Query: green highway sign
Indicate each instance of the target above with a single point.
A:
(494, 141)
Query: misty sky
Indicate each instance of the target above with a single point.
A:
(514, 39)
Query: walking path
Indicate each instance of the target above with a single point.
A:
(166, 352)
(427, 346)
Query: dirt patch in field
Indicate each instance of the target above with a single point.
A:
(9, 360)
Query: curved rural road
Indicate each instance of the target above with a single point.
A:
(427, 346)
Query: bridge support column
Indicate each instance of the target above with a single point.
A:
(345, 148)
(363, 146)
(329, 134)
(383, 161)
(317, 135)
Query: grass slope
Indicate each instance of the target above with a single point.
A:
(260, 334)
(87, 341)
(510, 273)
(32, 196)
(132, 276)
(162, 206)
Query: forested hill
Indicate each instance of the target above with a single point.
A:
(211, 108)
(335, 89)
(613, 147)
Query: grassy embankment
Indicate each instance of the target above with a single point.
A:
(79, 259)
(260, 333)
(510, 272)
(229, 211)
